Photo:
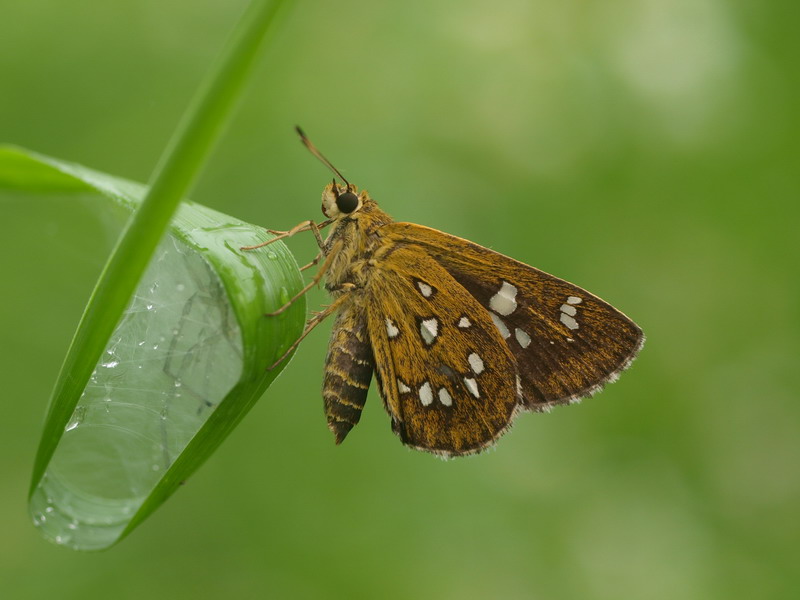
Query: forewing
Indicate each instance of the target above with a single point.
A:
(567, 342)
(447, 379)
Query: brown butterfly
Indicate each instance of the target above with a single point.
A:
(461, 339)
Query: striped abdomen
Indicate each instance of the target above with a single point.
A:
(348, 371)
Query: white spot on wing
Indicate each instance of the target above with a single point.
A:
(523, 338)
(402, 387)
(501, 326)
(464, 323)
(444, 397)
(391, 329)
(504, 302)
(425, 394)
(472, 386)
(569, 321)
(476, 363)
(428, 329)
(425, 289)
(574, 300)
(568, 310)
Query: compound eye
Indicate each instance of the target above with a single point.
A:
(347, 202)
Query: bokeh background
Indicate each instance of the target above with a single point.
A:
(646, 150)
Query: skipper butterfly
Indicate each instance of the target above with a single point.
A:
(461, 339)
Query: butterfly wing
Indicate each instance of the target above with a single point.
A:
(447, 379)
(566, 342)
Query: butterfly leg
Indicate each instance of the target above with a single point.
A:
(310, 325)
(317, 258)
(314, 281)
(304, 226)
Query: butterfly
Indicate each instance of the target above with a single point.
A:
(461, 339)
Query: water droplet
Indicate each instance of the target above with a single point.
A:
(149, 306)
(180, 287)
(75, 420)
(155, 346)
(110, 364)
(178, 383)
(271, 255)
(38, 519)
(284, 296)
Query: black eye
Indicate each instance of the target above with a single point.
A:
(347, 202)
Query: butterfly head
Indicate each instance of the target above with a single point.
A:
(341, 200)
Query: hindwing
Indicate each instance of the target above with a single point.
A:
(447, 378)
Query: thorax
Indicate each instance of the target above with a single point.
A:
(351, 245)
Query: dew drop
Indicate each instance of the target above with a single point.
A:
(75, 420)
(271, 255)
(284, 296)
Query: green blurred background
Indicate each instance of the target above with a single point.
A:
(644, 150)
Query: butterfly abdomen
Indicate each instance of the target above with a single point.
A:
(348, 371)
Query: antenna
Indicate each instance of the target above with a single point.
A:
(313, 149)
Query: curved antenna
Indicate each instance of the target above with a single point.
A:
(313, 149)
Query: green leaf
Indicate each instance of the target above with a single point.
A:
(73, 499)
(184, 364)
